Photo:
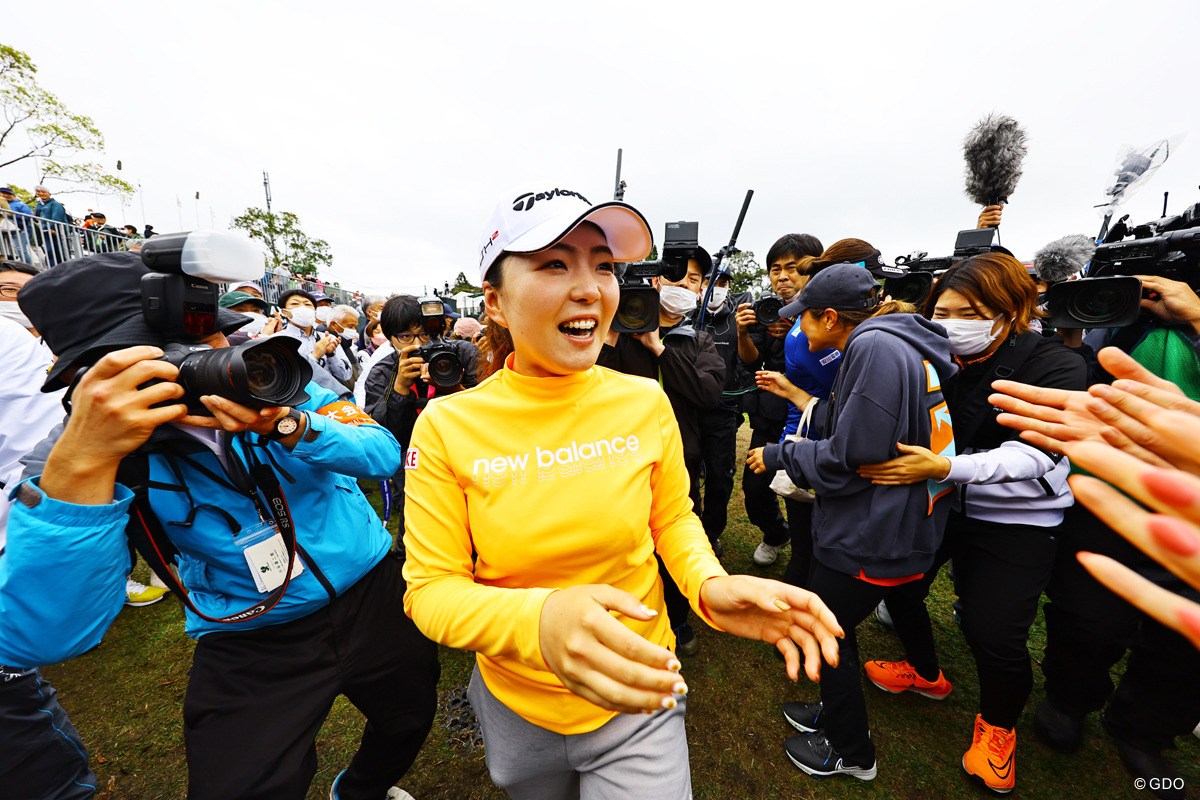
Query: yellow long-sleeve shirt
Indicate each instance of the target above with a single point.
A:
(524, 485)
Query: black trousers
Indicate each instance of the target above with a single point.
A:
(256, 699)
(762, 504)
(718, 452)
(1089, 629)
(678, 609)
(851, 600)
(799, 520)
(1000, 571)
(41, 754)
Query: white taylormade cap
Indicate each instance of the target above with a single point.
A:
(532, 221)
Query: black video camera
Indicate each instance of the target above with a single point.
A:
(920, 269)
(766, 309)
(637, 311)
(445, 367)
(1110, 297)
(179, 299)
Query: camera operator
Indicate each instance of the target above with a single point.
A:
(687, 365)
(217, 494)
(761, 347)
(719, 425)
(398, 387)
(1089, 629)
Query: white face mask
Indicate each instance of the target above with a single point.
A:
(677, 301)
(10, 310)
(324, 314)
(349, 334)
(717, 299)
(302, 316)
(255, 327)
(971, 336)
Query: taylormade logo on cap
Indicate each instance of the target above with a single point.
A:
(526, 201)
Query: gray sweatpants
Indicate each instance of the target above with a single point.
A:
(630, 756)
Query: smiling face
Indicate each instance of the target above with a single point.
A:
(557, 303)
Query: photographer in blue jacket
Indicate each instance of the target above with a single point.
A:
(281, 562)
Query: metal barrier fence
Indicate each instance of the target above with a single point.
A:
(44, 243)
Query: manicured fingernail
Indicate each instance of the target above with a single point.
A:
(1190, 618)
(1169, 487)
(674, 665)
(1174, 535)
(648, 610)
(668, 703)
(782, 606)
(680, 688)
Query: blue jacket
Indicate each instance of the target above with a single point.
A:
(21, 208)
(62, 575)
(53, 211)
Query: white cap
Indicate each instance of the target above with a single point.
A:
(532, 221)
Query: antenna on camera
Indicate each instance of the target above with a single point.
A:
(1165, 203)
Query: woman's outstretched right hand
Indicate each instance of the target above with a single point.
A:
(601, 660)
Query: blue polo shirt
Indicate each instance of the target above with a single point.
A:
(812, 372)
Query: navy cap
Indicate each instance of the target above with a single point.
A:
(842, 287)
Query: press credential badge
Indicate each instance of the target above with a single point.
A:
(266, 554)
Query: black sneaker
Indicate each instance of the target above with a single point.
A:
(805, 717)
(686, 643)
(1057, 728)
(1149, 768)
(813, 753)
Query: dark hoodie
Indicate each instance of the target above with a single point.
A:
(887, 390)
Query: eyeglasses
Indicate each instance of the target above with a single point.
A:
(408, 338)
(9, 290)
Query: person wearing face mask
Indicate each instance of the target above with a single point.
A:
(13, 276)
(719, 425)
(341, 321)
(300, 309)
(1008, 507)
(253, 307)
(687, 365)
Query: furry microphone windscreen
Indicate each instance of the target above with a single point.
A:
(994, 150)
(1064, 257)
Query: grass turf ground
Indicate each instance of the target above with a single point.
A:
(126, 696)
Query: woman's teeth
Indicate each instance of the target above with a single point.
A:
(578, 327)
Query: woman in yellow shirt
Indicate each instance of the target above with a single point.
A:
(535, 504)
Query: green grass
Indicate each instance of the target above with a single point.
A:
(125, 697)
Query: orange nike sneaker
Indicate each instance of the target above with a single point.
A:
(899, 676)
(993, 756)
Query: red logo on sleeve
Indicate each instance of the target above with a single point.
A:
(350, 414)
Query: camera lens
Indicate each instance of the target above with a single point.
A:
(766, 310)
(637, 310)
(257, 374)
(445, 367)
(1100, 302)
(912, 288)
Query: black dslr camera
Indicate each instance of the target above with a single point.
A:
(446, 369)
(766, 309)
(637, 311)
(920, 269)
(1110, 297)
(179, 299)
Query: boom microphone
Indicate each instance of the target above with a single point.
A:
(994, 150)
(1064, 258)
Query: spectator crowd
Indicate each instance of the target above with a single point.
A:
(889, 439)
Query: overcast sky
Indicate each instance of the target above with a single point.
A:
(391, 130)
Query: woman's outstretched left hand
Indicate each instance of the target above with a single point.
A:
(786, 616)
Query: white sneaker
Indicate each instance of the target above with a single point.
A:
(765, 554)
(884, 616)
(1196, 732)
(157, 581)
(396, 793)
(138, 594)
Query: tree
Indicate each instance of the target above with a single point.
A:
(461, 284)
(286, 242)
(747, 275)
(37, 125)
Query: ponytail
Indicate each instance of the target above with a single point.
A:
(497, 343)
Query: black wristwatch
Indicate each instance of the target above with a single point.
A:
(286, 425)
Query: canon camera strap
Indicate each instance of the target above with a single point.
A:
(147, 534)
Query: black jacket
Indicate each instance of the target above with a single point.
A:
(690, 370)
(766, 411)
(723, 329)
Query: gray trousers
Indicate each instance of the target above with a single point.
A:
(630, 756)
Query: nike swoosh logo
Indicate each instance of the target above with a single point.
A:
(1005, 769)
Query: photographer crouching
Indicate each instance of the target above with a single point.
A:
(234, 475)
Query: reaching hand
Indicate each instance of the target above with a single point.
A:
(754, 460)
(777, 383)
(601, 660)
(777, 613)
(1171, 536)
(914, 464)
